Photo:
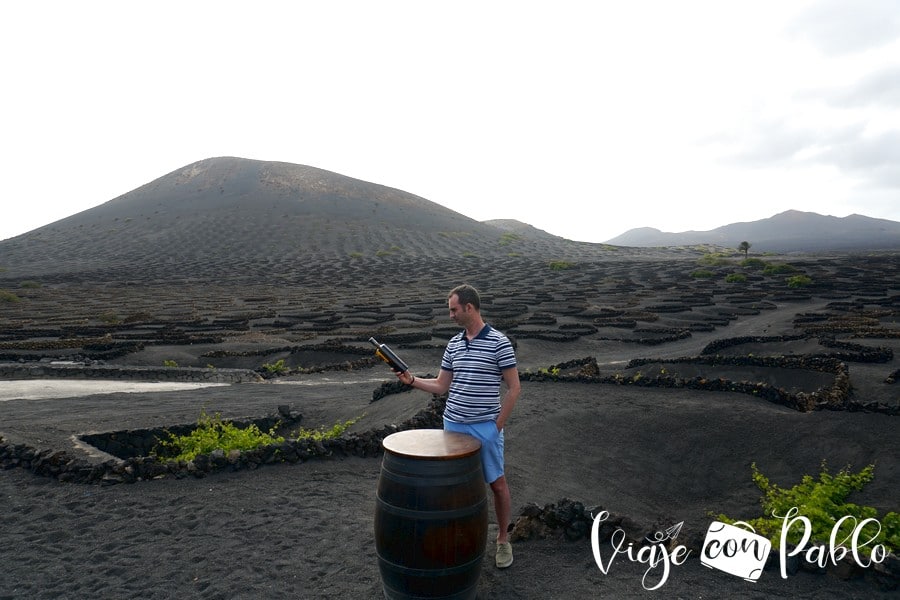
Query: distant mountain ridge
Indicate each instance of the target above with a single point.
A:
(789, 231)
(234, 218)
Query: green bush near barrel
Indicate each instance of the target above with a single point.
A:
(321, 434)
(213, 433)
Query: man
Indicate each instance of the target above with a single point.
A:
(475, 362)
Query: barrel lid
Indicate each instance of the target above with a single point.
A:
(431, 444)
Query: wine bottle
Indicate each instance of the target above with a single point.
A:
(383, 352)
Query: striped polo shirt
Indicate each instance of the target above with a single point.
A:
(477, 367)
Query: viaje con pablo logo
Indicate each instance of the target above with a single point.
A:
(738, 550)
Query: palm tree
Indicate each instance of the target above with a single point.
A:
(745, 248)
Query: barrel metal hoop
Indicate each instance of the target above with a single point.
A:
(423, 481)
(463, 568)
(432, 515)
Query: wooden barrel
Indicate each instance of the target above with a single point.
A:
(431, 515)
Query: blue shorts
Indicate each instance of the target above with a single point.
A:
(491, 445)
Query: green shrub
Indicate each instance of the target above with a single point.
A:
(508, 238)
(823, 503)
(702, 274)
(560, 265)
(753, 263)
(276, 368)
(778, 269)
(336, 431)
(30, 284)
(212, 433)
(109, 317)
(714, 259)
(6, 296)
(735, 278)
(170, 363)
(799, 281)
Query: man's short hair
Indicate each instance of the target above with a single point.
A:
(466, 294)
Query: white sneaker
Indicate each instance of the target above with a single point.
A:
(504, 555)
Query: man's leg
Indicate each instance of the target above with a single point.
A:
(503, 507)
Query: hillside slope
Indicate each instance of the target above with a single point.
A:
(227, 216)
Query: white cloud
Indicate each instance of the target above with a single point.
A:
(880, 88)
(839, 26)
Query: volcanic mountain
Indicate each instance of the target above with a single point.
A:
(224, 216)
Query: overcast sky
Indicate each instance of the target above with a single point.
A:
(585, 119)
